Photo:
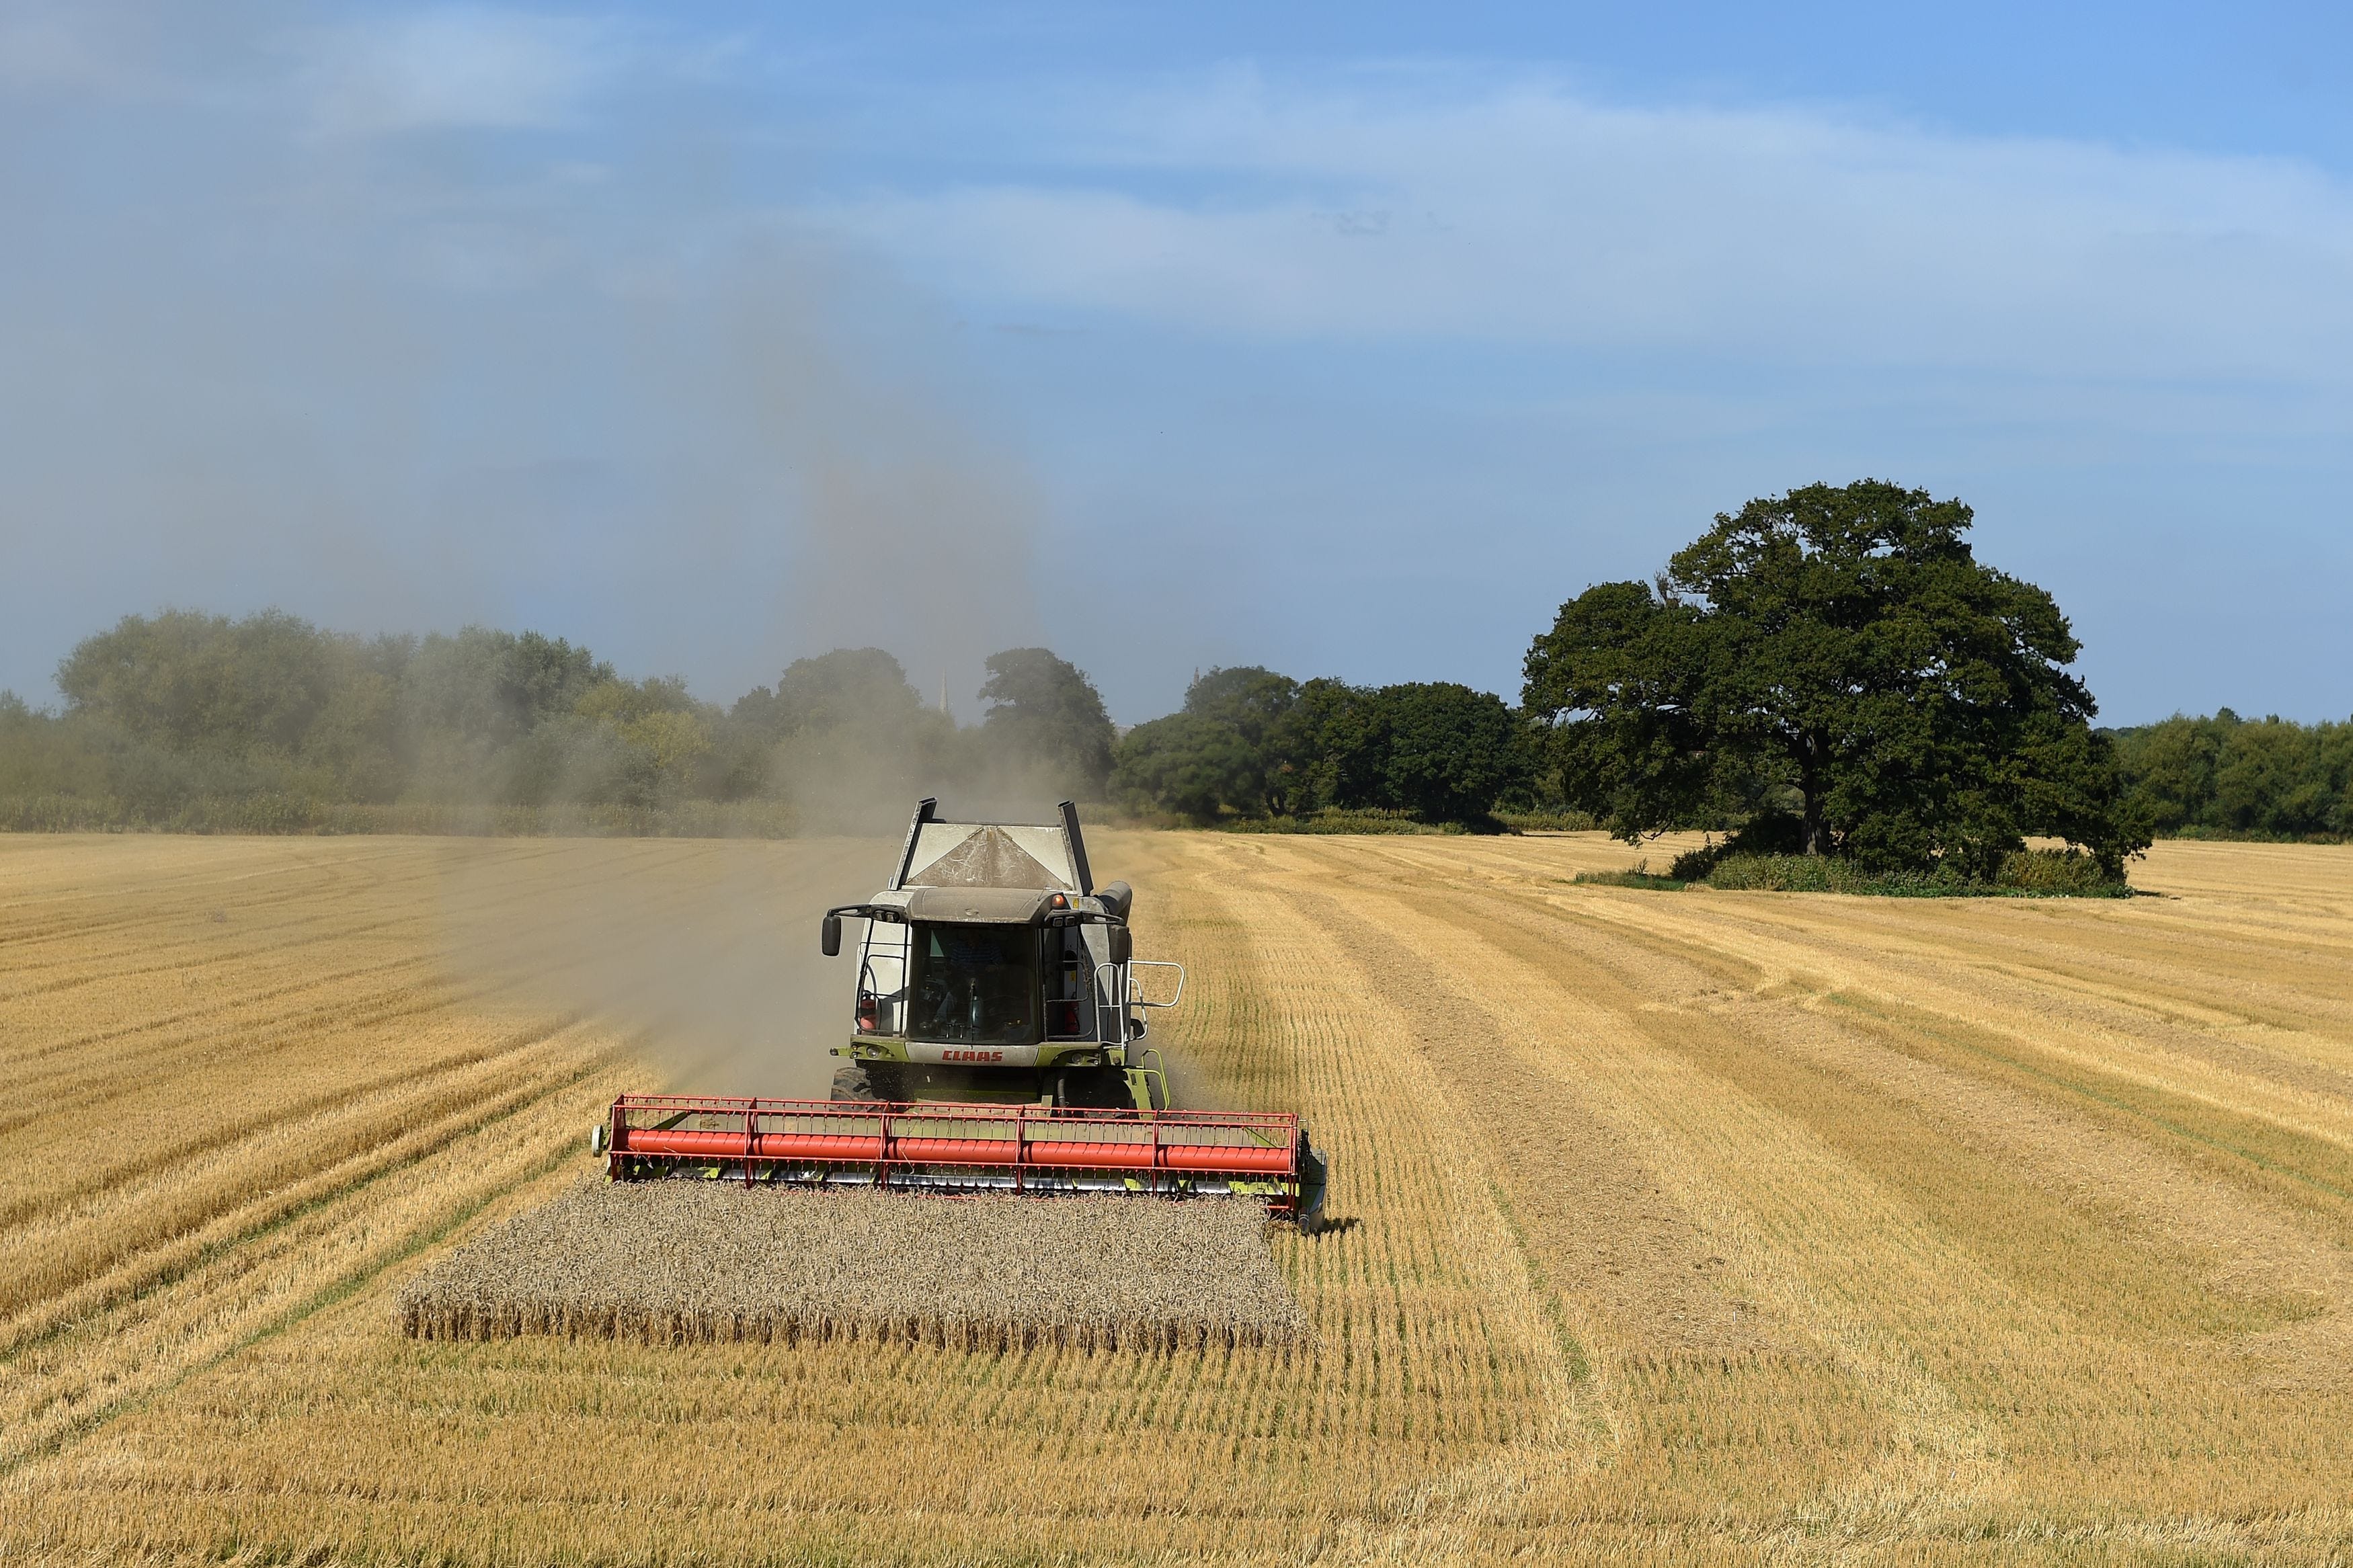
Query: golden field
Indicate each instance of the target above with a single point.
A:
(1695, 1227)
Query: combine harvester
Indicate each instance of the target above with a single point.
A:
(998, 1045)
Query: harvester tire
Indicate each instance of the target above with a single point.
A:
(867, 1081)
(1314, 1180)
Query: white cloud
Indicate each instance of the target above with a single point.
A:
(459, 67)
(124, 50)
(1525, 213)
(41, 44)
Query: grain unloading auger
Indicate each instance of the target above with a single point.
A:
(998, 1045)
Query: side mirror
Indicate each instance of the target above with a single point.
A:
(1123, 944)
(829, 936)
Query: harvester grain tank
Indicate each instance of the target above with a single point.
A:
(998, 1043)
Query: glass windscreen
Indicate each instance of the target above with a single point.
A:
(882, 980)
(976, 984)
(1070, 985)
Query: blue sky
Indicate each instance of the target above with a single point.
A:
(1349, 339)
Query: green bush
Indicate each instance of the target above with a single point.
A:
(1334, 819)
(1640, 876)
(1808, 874)
(51, 812)
(2058, 872)
(1547, 821)
(282, 815)
(2025, 873)
(2199, 831)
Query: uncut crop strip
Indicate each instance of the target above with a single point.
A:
(684, 1262)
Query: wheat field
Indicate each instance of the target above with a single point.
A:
(1696, 1226)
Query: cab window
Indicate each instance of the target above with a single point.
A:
(1070, 985)
(976, 984)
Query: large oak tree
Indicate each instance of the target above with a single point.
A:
(1835, 661)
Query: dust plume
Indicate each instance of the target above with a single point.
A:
(703, 952)
(917, 525)
(302, 356)
(907, 528)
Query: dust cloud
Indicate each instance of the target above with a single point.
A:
(615, 397)
(804, 401)
(917, 526)
(703, 952)
(909, 530)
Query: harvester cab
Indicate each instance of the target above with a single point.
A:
(993, 970)
(998, 1045)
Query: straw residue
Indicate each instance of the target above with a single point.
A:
(678, 1262)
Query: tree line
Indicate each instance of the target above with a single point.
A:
(1250, 743)
(188, 718)
(2228, 776)
(1828, 673)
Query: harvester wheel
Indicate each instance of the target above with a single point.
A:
(868, 1081)
(1092, 1089)
(1314, 1179)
